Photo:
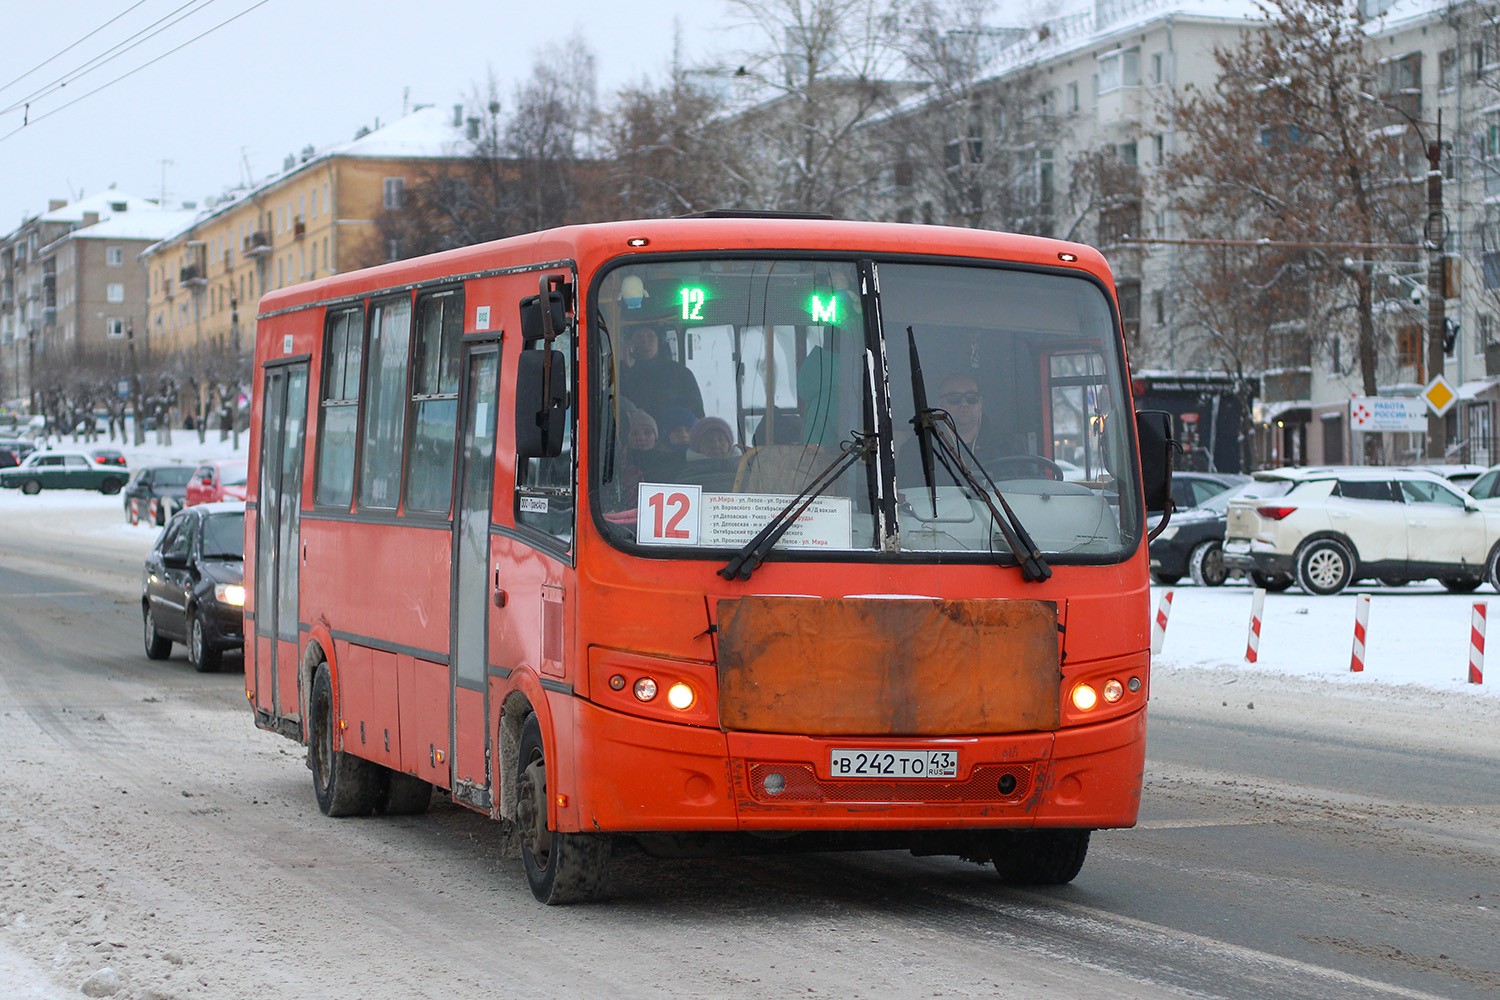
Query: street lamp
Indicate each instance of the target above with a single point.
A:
(1434, 233)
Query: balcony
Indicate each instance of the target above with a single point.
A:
(191, 277)
(257, 244)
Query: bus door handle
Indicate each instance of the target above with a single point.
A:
(499, 595)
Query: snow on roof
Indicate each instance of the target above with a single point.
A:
(152, 224)
(107, 204)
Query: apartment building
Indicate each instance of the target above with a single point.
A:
(72, 289)
(315, 218)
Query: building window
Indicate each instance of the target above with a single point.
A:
(114, 327)
(114, 256)
(1159, 307)
(114, 292)
(395, 193)
(1129, 294)
(1158, 67)
(1121, 68)
(1159, 149)
(1447, 69)
(1073, 97)
(1409, 346)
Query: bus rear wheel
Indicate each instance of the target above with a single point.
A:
(344, 784)
(1038, 857)
(560, 867)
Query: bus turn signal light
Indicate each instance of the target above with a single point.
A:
(1085, 697)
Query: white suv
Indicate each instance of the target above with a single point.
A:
(1334, 526)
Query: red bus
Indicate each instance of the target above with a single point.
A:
(716, 534)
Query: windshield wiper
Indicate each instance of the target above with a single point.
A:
(934, 426)
(753, 553)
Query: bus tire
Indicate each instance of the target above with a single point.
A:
(560, 867)
(404, 795)
(1038, 857)
(345, 785)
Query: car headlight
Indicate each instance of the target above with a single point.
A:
(230, 593)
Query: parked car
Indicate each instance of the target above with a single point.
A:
(108, 456)
(166, 484)
(63, 470)
(13, 451)
(1334, 526)
(1462, 476)
(1191, 544)
(218, 480)
(192, 585)
(1486, 486)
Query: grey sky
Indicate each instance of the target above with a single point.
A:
(287, 74)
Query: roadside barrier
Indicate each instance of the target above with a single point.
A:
(1159, 625)
(1257, 606)
(1361, 627)
(1476, 644)
(135, 510)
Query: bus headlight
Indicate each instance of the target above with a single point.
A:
(1113, 690)
(680, 696)
(1085, 697)
(230, 593)
(645, 689)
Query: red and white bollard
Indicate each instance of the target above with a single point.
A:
(1159, 624)
(1361, 628)
(1257, 606)
(1476, 644)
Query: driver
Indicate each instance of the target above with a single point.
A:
(959, 395)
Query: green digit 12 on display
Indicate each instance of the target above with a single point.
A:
(693, 299)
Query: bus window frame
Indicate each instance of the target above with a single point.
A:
(330, 314)
(1132, 531)
(419, 298)
(539, 538)
(372, 305)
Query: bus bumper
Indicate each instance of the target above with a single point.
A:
(639, 775)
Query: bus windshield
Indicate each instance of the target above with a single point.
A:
(724, 388)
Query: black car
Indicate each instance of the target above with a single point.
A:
(13, 451)
(166, 484)
(192, 586)
(1193, 541)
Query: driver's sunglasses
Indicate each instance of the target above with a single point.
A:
(955, 398)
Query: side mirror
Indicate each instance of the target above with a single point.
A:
(541, 408)
(533, 321)
(1153, 431)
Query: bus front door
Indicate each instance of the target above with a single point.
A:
(471, 571)
(278, 546)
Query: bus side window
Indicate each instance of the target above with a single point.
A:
(544, 486)
(434, 402)
(340, 405)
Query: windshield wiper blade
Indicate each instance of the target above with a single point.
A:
(921, 421)
(754, 552)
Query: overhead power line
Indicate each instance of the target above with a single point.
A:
(122, 76)
(65, 51)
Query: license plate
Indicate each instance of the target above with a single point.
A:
(894, 763)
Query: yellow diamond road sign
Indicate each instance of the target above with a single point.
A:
(1439, 395)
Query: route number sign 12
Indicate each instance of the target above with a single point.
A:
(668, 513)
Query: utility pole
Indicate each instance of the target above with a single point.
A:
(135, 387)
(1435, 232)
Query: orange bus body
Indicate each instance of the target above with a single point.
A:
(571, 625)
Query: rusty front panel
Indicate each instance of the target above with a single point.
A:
(852, 667)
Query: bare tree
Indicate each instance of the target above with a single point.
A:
(822, 71)
(1288, 146)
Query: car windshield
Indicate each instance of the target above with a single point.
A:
(224, 536)
(727, 386)
(177, 475)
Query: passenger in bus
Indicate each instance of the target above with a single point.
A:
(713, 459)
(653, 380)
(959, 395)
(676, 425)
(643, 459)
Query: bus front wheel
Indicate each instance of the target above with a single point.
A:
(1038, 857)
(344, 784)
(560, 867)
